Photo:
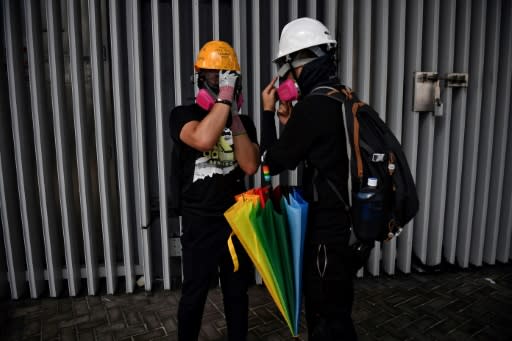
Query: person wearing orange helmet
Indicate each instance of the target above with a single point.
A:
(214, 149)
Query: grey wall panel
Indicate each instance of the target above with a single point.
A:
(363, 48)
(378, 86)
(425, 156)
(504, 252)
(241, 47)
(330, 19)
(24, 150)
(102, 144)
(346, 42)
(395, 90)
(64, 145)
(45, 151)
(162, 170)
(9, 203)
(485, 145)
(125, 186)
(363, 26)
(472, 130)
(82, 139)
(215, 19)
(414, 29)
(379, 57)
(458, 119)
(458, 158)
(138, 127)
(256, 70)
(176, 52)
(498, 234)
(446, 51)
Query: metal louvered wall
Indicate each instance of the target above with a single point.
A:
(86, 88)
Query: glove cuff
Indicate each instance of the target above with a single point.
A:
(226, 93)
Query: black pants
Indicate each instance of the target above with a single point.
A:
(328, 291)
(205, 253)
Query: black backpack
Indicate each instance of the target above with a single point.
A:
(375, 152)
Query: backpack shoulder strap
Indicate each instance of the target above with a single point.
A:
(346, 96)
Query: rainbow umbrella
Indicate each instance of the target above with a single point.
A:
(264, 234)
(297, 212)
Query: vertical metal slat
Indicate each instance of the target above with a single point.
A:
(256, 70)
(311, 9)
(215, 19)
(293, 13)
(457, 131)
(176, 52)
(363, 26)
(9, 204)
(346, 45)
(121, 132)
(78, 95)
(274, 32)
(425, 153)
(44, 148)
(379, 57)
(363, 48)
(100, 112)
(378, 92)
(414, 29)
(442, 136)
(24, 151)
(504, 252)
(138, 133)
(486, 135)
(472, 131)
(240, 44)
(195, 26)
(331, 8)
(63, 146)
(160, 144)
(394, 101)
(499, 234)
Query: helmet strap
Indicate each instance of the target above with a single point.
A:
(294, 74)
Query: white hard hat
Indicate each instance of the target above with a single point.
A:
(302, 33)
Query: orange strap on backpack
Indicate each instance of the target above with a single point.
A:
(357, 149)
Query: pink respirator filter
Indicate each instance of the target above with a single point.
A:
(288, 91)
(205, 100)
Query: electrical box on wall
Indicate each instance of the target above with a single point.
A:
(427, 90)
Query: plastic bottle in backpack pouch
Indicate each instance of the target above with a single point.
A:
(369, 212)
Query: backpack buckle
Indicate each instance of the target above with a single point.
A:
(378, 157)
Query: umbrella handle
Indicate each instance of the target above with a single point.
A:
(232, 251)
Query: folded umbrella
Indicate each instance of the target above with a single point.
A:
(241, 218)
(297, 212)
(274, 240)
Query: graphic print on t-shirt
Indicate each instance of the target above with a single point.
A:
(219, 160)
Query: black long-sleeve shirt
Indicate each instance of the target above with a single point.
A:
(315, 135)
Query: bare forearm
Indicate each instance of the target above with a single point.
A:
(247, 154)
(204, 135)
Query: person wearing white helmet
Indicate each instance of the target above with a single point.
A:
(314, 137)
(214, 148)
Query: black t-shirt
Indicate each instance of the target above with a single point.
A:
(315, 134)
(208, 181)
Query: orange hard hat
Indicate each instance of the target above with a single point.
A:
(217, 55)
